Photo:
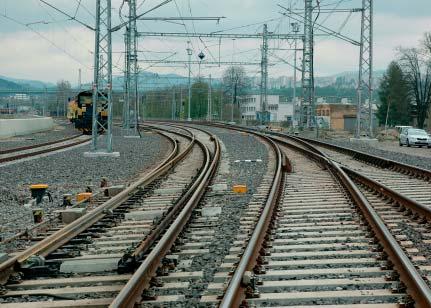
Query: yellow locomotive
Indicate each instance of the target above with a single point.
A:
(80, 112)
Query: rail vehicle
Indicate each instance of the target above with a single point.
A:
(80, 112)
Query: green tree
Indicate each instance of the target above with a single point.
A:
(199, 100)
(394, 93)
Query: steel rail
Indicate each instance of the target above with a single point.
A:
(28, 147)
(51, 220)
(234, 293)
(373, 159)
(25, 155)
(140, 280)
(409, 204)
(129, 260)
(416, 286)
(62, 236)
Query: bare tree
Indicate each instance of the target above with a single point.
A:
(416, 66)
(64, 91)
(426, 43)
(234, 81)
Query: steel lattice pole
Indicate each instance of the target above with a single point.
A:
(189, 52)
(131, 73)
(102, 84)
(264, 75)
(365, 77)
(307, 65)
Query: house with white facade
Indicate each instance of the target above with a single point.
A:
(280, 109)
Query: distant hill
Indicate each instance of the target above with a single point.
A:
(28, 83)
(156, 81)
(152, 80)
(9, 85)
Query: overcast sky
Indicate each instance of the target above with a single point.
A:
(36, 42)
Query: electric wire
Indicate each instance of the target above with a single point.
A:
(46, 39)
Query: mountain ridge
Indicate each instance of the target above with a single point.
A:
(157, 80)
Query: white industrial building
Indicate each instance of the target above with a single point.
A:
(280, 110)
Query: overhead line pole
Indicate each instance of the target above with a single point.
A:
(365, 78)
(174, 105)
(131, 72)
(102, 84)
(295, 29)
(209, 112)
(307, 71)
(264, 75)
(189, 53)
(126, 107)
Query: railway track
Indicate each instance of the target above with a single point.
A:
(50, 224)
(78, 264)
(332, 249)
(410, 181)
(17, 241)
(406, 212)
(16, 154)
(208, 248)
(307, 236)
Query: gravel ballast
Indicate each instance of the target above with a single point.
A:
(236, 148)
(70, 172)
(419, 161)
(387, 150)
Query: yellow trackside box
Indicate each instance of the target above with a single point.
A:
(38, 186)
(239, 189)
(83, 196)
(38, 191)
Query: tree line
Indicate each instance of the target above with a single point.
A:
(405, 90)
(173, 101)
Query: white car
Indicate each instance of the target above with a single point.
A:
(414, 136)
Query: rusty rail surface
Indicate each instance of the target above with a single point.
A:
(375, 160)
(417, 288)
(235, 294)
(129, 260)
(359, 155)
(62, 236)
(132, 291)
(29, 154)
(416, 208)
(33, 146)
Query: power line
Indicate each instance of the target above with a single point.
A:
(68, 15)
(64, 28)
(46, 39)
